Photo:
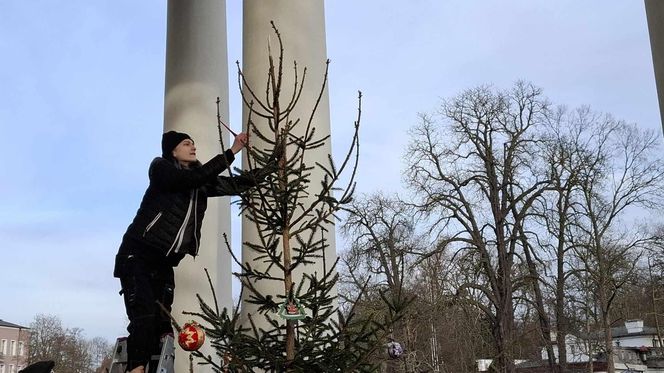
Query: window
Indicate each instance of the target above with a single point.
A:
(2, 368)
(655, 342)
(3, 348)
(13, 348)
(21, 352)
(11, 368)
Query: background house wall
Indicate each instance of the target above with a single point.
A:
(13, 347)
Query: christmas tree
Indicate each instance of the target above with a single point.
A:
(306, 330)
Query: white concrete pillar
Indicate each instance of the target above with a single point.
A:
(655, 15)
(196, 74)
(301, 24)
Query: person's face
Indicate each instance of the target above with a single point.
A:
(185, 152)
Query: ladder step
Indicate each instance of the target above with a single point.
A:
(165, 363)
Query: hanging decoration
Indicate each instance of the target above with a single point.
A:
(191, 336)
(394, 350)
(292, 310)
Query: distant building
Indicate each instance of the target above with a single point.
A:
(637, 348)
(13, 347)
(634, 334)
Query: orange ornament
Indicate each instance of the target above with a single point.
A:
(191, 336)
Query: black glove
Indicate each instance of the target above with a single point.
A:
(257, 175)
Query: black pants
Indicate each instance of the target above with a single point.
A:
(143, 284)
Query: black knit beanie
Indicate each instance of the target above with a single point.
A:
(169, 141)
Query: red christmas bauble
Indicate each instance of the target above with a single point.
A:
(191, 337)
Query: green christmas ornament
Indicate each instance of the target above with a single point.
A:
(292, 310)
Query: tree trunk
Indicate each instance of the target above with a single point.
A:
(562, 204)
(504, 361)
(606, 325)
(545, 325)
(288, 274)
(504, 336)
(561, 319)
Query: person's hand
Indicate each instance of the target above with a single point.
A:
(241, 140)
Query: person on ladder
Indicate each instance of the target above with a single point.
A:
(167, 226)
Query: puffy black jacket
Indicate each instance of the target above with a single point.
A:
(174, 197)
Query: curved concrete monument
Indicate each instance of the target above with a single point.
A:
(655, 15)
(301, 24)
(196, 74)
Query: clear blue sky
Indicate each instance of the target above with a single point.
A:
(81, 111)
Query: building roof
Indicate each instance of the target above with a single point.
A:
(621, 331)
(10, 325)
(542, 366)
(616, 332)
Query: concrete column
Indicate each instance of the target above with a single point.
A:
(655, 15)
(301, 24)
(196, 74)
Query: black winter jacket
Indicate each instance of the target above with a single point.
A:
(174, 197)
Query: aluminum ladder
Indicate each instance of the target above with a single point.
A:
(164, 363)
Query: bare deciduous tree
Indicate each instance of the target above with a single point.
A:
(621, 171)
(530, 209)
(383, 245)
(564, 156)
(67, 347)
(381, 231)
(473, 178)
